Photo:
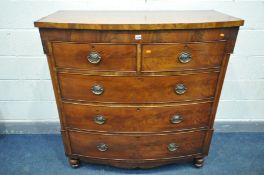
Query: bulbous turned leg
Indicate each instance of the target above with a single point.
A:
(74, 163)
(198, 162)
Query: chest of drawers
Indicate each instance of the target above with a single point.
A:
(137, 89)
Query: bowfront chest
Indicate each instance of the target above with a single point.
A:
(137, 89)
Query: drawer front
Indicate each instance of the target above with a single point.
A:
(173, 57)
(96, 57)
(145, 89)
(137, 119)
(114, 146)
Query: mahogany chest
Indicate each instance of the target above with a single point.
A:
(137, 89)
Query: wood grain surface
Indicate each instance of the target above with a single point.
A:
(141, 119)
(114, 57)
(138, 20)
(165, 57)
(143, 89)
(152, 146)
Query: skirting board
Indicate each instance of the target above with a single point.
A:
(54, 127)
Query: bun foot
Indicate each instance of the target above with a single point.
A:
(198, 162)
(74, 163)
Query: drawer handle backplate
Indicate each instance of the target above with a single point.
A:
(99, 119)
(97, 89)
(102, 147)
(172, 147)
(176, 119)
(180, 89)
(94, 57)
(185, 57)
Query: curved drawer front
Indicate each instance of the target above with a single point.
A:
(137, 119)
(146, 89)
(171, 57)
(114, 146)
(96, 57)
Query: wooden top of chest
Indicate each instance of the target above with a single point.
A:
(138, 20)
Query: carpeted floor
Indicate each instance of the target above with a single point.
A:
(230, 153)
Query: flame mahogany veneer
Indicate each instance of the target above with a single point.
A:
(137, 89)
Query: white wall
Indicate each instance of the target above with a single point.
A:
(25, 87)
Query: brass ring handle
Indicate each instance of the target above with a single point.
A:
(185, 57)
(102, 147)
(99, 119)
(97, 89)
(176, 119)
(94, 57)
(180, 89)
(172, 147)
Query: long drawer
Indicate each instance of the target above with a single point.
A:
(154, 146)
(182, 56)
(144, 89)
(137, 119)
(95, 57)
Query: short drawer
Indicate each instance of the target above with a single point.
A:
(137, 119)
(144, 89)
(96, 57)
(178, 57)
(154, 146)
